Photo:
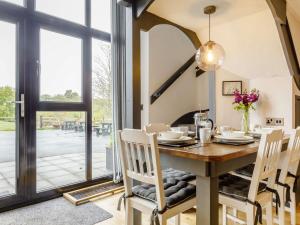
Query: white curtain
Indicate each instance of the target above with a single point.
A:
(118, 72)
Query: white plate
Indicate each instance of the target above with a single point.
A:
(244, 138)
(234, 134)
(179, 140)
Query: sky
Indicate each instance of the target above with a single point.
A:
(60, 54)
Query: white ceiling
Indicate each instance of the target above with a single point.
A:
(189, 13)
(294, 7)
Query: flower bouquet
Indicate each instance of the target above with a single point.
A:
(245, 102)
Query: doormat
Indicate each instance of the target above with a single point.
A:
(85, 195)
(58, 211)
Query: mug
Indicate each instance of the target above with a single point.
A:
(205, 135)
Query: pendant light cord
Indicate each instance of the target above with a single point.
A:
(209, 27)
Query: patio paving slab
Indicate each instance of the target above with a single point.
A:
(54, 171)
(53, 174)
(42, 170)
(64, 180)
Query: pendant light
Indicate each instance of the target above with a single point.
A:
(211, 55)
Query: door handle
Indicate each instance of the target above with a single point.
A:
(21, 102)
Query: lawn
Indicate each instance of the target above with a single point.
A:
(7, 126)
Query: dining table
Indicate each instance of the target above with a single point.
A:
(208, 163)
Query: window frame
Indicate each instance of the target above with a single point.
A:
(30, 21)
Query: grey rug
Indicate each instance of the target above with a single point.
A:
(55, 212)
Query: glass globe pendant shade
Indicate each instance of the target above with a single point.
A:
(210, 56)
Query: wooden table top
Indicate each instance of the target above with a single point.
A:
(214, 152)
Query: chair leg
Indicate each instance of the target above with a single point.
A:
(224, 214)
(234, 214)
(163, 220)
(250, 215)
(177, 219)
(293, 208)
(269, 214)
(129, 215)
(281, 213)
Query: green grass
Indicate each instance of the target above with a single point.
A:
(7, 126)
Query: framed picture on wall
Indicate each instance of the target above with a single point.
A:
(228, 87)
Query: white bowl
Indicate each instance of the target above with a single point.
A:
(233, 134)
(171, 134)
(183, 129)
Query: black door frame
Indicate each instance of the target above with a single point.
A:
(20, 160)
(29, 21)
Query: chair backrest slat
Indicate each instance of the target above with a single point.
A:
(128, 158)
(141, 154)
(148, 161)
(292, 157)
(141, 150)
(266, 161)
(133, 156)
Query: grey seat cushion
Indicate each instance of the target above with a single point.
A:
(176, 191)
(248, 171)
(237, 187)
(178, 175)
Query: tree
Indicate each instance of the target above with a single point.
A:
(69, 96)
(7, 108)
(73, 96)
(102, 81)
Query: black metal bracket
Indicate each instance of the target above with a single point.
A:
(173, 78)
(199, 71)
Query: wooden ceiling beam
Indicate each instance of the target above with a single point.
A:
(141, 6)
(278, 8)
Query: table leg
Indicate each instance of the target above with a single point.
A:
(137, 217)
(207, 201)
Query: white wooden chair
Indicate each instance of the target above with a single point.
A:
(161, 127)
(138, 146)
(265, 169)
(156, 128)
(288, 176)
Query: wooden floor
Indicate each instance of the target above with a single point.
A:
(188, 218)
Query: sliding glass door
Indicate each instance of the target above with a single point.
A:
(11, 111)
(55, 97)
(8, 123)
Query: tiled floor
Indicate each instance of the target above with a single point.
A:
(54, 171)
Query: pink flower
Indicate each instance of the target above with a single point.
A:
(245, 100)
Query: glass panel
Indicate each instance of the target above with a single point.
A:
(101, 15)
(61, 67)
(60, 149)
(102, 108)
(17, 2)
(65, 9)
(7, 109)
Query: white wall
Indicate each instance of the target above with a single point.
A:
(226, 115)
(275, 100)
(164, 50)
(202, 91)
(145, 99)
